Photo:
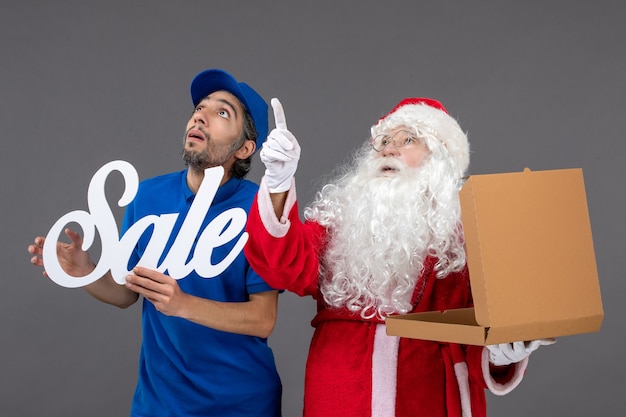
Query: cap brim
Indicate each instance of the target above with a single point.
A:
(213, 80)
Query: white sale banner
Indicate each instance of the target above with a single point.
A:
(117, 250)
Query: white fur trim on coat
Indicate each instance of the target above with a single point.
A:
(462, 379)
(384, 373)
(275, 227)
(496, 387)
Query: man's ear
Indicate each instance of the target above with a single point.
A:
(248, 148)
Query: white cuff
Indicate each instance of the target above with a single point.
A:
(496, 387)
(275, 227)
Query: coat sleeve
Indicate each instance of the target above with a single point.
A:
(284, 252)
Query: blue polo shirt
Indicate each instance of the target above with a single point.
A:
(186, 369)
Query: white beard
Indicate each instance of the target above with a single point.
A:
(381, 229)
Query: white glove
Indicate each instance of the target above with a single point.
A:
(508, 353)
(280, 153)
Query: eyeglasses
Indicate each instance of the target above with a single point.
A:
(398, 139)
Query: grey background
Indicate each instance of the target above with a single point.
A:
(534, 83)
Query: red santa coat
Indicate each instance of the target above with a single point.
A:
(353, 367)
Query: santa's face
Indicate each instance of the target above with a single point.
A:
(400, 147)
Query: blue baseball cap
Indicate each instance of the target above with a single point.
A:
(212, 80)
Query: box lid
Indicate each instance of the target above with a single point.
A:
(529, 247)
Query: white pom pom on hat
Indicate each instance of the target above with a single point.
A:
(429, 114)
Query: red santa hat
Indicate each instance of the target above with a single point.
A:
(428, 115)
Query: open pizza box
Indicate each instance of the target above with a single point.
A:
(531, 260)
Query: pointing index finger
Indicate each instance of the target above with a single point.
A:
(279, 114)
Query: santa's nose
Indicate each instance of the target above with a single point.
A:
(390, 150)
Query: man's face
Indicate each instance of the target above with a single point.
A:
(213, 129)
(400, 145)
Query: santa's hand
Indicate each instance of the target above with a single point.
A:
(280, 153)
(508, 353)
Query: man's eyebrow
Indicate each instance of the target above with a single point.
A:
(229, 104)
(225, 102)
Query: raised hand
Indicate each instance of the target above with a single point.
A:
(280, 153)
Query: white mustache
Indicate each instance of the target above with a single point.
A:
(377, 164)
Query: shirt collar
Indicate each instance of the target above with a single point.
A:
(223, 192)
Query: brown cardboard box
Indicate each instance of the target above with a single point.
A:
(531, 261)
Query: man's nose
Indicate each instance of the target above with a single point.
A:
(199, 118)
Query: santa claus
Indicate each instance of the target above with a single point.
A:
(384, 238)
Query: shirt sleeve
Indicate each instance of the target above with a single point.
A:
(255, 284)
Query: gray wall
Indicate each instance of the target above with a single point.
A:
(534, 83)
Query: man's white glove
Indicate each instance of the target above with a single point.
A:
(508, 353)
(280, 153)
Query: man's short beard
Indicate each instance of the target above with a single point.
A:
(381, 229)
(196, 161)
(211, 156)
